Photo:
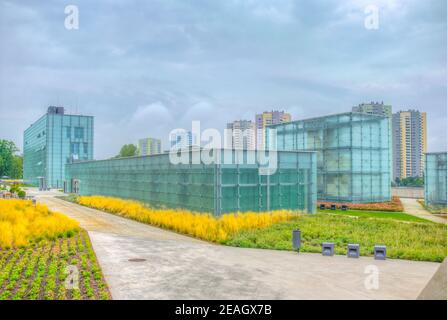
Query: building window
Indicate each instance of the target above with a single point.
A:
(68, 130)
(74, 148)
(85, 147)
(79, 133)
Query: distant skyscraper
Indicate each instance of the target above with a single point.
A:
(51, 142)
(242, 135)
(409, 143)
(374, 108)
(183, 139)
(149, 146)
(265, 119)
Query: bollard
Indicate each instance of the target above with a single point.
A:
(353, 250)
(380, 252)
(327, 249)
(296, 240)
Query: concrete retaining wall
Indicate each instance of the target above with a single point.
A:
(405, 192)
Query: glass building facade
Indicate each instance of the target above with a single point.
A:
(354, 156)
(436, 179)
(51, 142)
(233, 182)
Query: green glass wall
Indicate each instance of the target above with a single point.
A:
(354, 158)
(230, 184)
(436, 179)
(51, 142)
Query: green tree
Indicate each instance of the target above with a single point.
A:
(17, 168)
(128, 150)
(410, 182)
(7, 158)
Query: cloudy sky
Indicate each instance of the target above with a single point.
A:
(143, 68)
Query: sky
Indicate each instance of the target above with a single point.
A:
(144, 68)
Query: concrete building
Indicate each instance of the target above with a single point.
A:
(149, 146)
(376, 108)
(436, 179)
(409, 131)
(51, 142)
(241, 134)
(181, 139)
(353, 154)
(265, 119)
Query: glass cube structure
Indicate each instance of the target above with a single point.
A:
(51, 142)
(436, 179)
(232, 182)
(354, 154)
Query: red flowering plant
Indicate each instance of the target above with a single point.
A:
(395, 205)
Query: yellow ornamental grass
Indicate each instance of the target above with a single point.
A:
(21, 223)
(199, 225)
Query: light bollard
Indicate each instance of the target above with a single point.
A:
(327, 249)
(353, 250)
(380, 252)
(296, 240)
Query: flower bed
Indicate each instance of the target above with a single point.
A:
(395, 205)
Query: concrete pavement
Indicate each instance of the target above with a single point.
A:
(413, 207)
(437, 287)
(173, 266)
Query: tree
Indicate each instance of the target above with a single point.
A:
(7, 159)
(128, 150)
(17, 168)
(410, 182)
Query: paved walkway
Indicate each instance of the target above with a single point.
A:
(179, 267)
(414, 208)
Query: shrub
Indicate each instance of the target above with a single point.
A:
(199, 225)
(21, 194)
(21, 223)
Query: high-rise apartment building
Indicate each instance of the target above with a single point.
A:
(51, 142)
(409, 143)
(149, 146)
(376, 108)
(241, 134)
(181, 139)
(265, 119)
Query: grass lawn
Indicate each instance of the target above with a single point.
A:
(38, 271)
(406, 236)
(377, 214)
(404, 239)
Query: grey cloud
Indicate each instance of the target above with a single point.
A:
(146, 67)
